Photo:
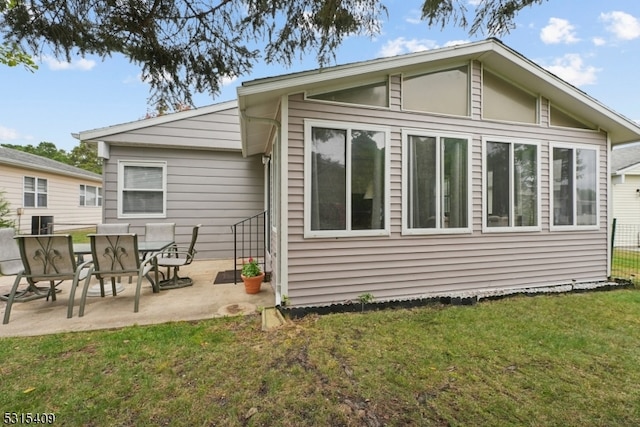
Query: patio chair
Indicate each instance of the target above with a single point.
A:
(116, 255)
(160, 231)
(175, 258)
(112, 228)
(45, 258)
(10, 261)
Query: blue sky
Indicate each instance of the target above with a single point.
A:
(592, 44)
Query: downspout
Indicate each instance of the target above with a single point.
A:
(278, 126)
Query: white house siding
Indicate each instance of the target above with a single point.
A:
(626, 209)
(212, 188)
(63, 199)
(333, 270)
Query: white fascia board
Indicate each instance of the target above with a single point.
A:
(95, 134)
(288, 82)
(54, 171)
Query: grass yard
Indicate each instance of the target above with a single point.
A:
(565, 360)
(626, 264)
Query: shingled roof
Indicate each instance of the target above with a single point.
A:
(625, 157)
(21, 159)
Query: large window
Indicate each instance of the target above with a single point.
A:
(90, 195)
(347, 178)
(444, 91)
(574, 177)
(375, 94)
(142, 189)
(511, 183)
(436, 183)
(35, 192)
(502, 100)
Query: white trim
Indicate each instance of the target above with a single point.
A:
(142, 163)
(348, 127)
(282, 276)
(574, 227)
(609, 206)
(511, 228)
(406, 132)
(343, 86)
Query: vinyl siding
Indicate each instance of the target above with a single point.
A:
(196, 132)
(212, 188)
(63, 199)
(333, 270)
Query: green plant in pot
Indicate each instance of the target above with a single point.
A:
(252, 276)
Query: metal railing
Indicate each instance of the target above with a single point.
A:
(625, 251)
(249, 237)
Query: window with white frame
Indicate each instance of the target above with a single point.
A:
(35, 192)
(574, 178)
(142, 189)
(90, 195)
(436, 183)
(512, 185)
(346, 177)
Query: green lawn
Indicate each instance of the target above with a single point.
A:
(626, 264)
(565, 360)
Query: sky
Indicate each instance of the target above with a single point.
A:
(592, 44)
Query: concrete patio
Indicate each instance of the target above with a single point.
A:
(203, 300)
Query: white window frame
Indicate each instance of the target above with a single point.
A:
(152, 164)
(485, 190)
(575, 226)
(348, 127)
(35, 192)
(83, 195)
(406, 176)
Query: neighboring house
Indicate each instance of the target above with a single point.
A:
(457, 169)
(48, 195)
(625, 177)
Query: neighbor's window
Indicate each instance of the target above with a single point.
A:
(445, 92)
(90, 195)
(142, 189)
(35, 192)
(436, 183)
(574, 176)
(512, 189)
(346, 178)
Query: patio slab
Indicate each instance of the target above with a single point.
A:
(203, 300)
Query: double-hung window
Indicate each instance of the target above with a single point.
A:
(346, 179)
(142, 189)
(511, 186)
(90, 195)
(574, 181)
(35, 192)
(436, 183)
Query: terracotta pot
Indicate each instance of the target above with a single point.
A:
(252, 284)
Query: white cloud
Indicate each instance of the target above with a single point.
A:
(8, 134)
(54, 64)
(228, 80)
(475, 2)
(598, 41)
(622, 25)
(414, 17)
(558, 31)
(572, 68)
(401, 45)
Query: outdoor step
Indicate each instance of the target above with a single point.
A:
(271, 318)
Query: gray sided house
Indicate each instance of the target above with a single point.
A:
(46, 195)
(458, 169)
(186, 168)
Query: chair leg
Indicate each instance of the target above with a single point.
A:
(12, 296)
(113, 287)
(83, 298)
(136, 304)
(52, 290)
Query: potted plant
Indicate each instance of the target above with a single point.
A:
(252, 276)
